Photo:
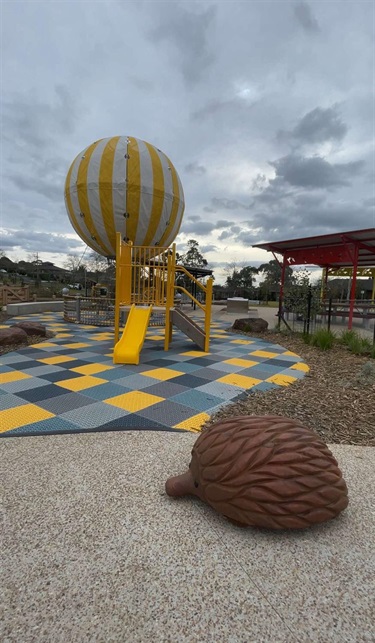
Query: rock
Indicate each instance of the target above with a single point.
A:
(32, 328)
(250, 325)
(12, 335)
(264, 471)
(367, 373)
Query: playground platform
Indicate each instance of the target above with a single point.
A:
(70, 384)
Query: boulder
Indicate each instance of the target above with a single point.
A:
(250, 325)
(12, 335)
(32, 328)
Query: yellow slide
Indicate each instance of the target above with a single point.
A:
(128, 348)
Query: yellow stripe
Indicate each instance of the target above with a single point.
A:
(133, 201)
(105, 189)
(157, 195)
(69, 205)
(175, 204)
(83, 198)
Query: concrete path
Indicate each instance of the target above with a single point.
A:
(93, 550)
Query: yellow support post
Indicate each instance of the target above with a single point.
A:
(118, 287)
(126, 277)
(207, 317)
(373, 285)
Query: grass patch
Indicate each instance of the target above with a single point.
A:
(357, 344)
(323, 339)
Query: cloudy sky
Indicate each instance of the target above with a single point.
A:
(265, 108)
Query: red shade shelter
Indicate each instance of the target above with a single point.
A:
(355, 249)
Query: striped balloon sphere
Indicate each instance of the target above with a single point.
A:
(123, 184)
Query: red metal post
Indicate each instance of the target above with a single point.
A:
(354, 281)
(283, 268)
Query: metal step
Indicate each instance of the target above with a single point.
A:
(189, 327)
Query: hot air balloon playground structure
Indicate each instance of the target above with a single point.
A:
(125, 200)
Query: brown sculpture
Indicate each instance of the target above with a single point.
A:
(264, 471)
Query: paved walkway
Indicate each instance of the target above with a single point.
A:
(94, 551)
(69, 383)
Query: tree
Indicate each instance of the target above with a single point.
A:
(241, 279)
(272, 278)
(97, 263)
(193, 256)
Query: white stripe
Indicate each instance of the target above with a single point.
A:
(147, 188)
(167, 201)
(180, 213)
(94, 197)
(119, 187)
(74, 200)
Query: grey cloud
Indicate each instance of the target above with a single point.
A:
(234, 105)
(195, 169)
(318, 126)
(305, 17)
(224, 235)
(196, 227)
(44, 187)
(315, 172)
(32, 123)
(235, 228)
(189, 33)
(39, 242)
(210, 247)
(209, 210)
(223, 223)
(229, 204)
(369, 202)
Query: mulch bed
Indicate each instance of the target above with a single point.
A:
(336, 397)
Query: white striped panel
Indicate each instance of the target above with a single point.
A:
(180, 212)
(93, 196)
(119, 187)
(146, 193)
(167, 202)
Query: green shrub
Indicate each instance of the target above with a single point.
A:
(347, 336)
(323, 339)
(359, 345)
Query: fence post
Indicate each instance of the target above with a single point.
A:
(329, 313)
(78, 309)
(309, 299)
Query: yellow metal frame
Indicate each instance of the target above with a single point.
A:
(143, 277)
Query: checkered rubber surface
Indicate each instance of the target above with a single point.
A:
(69, 383)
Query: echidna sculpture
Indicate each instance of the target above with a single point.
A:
(264, 471)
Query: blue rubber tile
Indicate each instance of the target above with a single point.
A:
(23, 385)
(222, 391)
(105, 391)
(74, 363)
(258, 372)
(190, 381)
(94, 416)
(207, 374)
(9, 401)
(166, 389)
(167, 413)
(276, 362)
(184, 367)
(67, 402)
(45, 427)
(198, 400)
(264, 386)
(60, 375)
(134, 421)
(203, 361)
(20, 366)
(293, 372)
(12, 358)
(42, 370)
(164, 363)
(225, 368)
(42, 393)
(115, 373)
(136, 382)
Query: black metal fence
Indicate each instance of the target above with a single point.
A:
(305, 312)
(99, 311)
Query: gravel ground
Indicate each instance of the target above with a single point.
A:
(336, 397)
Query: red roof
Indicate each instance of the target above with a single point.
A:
(333, 250)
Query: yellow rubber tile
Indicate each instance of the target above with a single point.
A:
(246, 363)
(234, 379)
(91, 369)
(21, 415)
(3, 326)
(300, 366)
(14, 376)
(134, 401)
(58, 359)
(155, 338)
(162, 373)
(194, 423)
(290, 353)
(101, 336)
(196, 353)
(264, 354)
(77, 345)
(80, 383)
(43, 345)
(242, 341)
(281, 380)
(63, 335)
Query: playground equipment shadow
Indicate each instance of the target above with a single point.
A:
(69, 384)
